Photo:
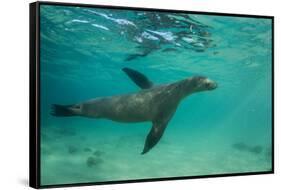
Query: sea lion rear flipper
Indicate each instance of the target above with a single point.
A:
(154, 136)
(63, 110)
(140, 79)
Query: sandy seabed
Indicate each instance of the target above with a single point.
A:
(69, 155)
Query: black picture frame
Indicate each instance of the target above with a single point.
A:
(34, 94)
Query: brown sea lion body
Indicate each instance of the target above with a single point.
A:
(154, 103)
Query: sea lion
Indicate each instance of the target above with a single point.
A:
(153, 103)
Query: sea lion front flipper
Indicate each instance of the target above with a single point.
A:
(140, 79)
(154, 135)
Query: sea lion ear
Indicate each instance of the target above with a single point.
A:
(139, 79)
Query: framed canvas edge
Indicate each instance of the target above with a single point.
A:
(34, 134)
(34, 95)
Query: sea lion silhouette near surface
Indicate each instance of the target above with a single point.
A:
(153, 103)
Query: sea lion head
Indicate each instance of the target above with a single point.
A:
(200, 83)
(196, 84)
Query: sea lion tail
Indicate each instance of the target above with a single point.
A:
(62, 110)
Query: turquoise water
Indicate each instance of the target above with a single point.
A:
(226, 130)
